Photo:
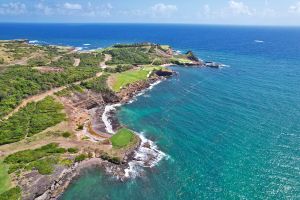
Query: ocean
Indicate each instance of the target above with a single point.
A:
(229, 133)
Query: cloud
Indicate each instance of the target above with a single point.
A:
(98, 10)
(16, 8)
(206, 10)
(239, 8)
(269, 12)
(46, 10)
(71, 6)
(295, 8)
(161, 9)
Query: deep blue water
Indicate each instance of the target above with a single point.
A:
(230, 133)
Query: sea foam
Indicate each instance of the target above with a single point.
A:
(147, 155)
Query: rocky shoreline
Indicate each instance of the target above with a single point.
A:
(49, 187)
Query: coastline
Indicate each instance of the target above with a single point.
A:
(92, 118)
(143, 155)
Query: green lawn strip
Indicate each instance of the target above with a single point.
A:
(4, 177)
(128, 77)
(32, 119)
(123, 138)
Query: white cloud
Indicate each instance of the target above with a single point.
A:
(295, 8)
(46, 10)
(161, 9)
(98, 10)
(269, 12)
(16, 8)
(206, 10)
(239, 8)
(71, 6)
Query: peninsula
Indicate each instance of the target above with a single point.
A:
(57, 109)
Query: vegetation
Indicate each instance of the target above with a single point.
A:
(122, 138)
(123, 79)
(80, 127)
(66, 162)
(128, 56)
(80, 158)
(66, 134)
(115, 160)
(17, 83)
(12, 194)
(32, 119)
(64, 61)
(99, 85)
(73, 150)
(41, 159)
(90, 59)
(38, 61)
(4, 177)
(69, 90)
(44, 166)
(118, 68)
(12, 51)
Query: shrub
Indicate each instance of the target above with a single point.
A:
(128, 56)
(17, 83)
(27, 156)
(80, 158)
(12, 194)
(32, 119)
(66, 162)
(66, 134)
(73, 150)
(115, 160)
(80, 127)
(44, 166)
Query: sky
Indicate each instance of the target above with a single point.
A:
(233, 12)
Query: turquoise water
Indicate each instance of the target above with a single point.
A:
(230, 133)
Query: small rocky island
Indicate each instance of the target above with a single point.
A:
(57, 111)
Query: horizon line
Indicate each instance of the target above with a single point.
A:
(155, 23)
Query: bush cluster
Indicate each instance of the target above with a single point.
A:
(41, 159)
(32, 119)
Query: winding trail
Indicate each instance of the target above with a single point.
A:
(107, 58)
(41, 96)
(76, 62)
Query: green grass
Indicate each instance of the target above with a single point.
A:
(43, 159)
(128, 77)
(11, 194)
(80, 158)
(4, 177)
(122, 138)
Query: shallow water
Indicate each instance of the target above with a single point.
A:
(230, 133)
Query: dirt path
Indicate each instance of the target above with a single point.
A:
(41, 96)
(76, 62)
(106, 59)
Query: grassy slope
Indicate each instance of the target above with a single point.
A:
(32, 119)
(4, 177)
(122, 138)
